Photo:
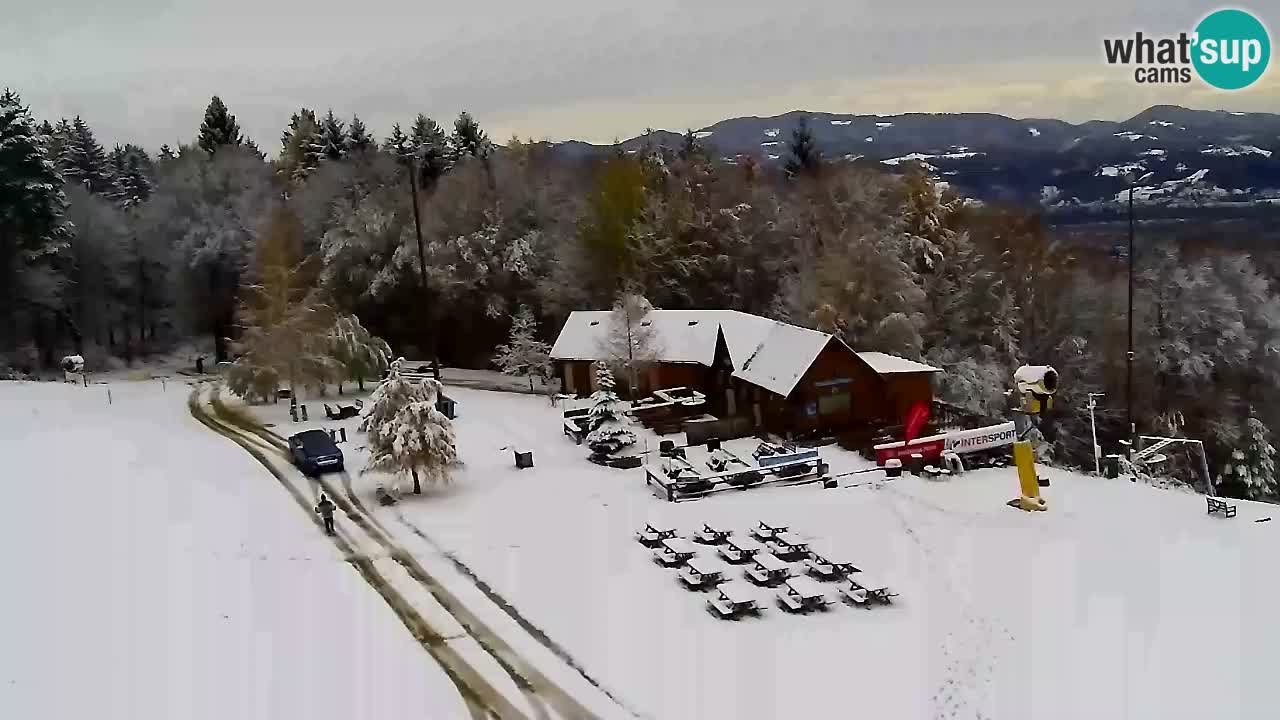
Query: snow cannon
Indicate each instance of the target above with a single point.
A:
(1036, 384)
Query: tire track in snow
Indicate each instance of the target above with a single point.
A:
(540, 692)
(969, 650)
(482, 699)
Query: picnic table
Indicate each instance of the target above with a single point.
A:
(653, 534)
(789, 546)
(701, 573)
(802, 594)
(710, 535)
(864, 589)
(733, 600)
(1220, 507)
(674, 552)
(767, 570)
(765, 531)
(822, 567)
(738, 550)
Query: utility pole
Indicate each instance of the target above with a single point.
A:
(417, 229)
(1128, 388)
(1093, 430)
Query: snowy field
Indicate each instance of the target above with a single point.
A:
(155, 570)
(1122, 601)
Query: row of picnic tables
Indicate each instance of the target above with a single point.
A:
(767, 555)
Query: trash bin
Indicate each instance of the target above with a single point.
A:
(1111, 466)
(713, 444)
(893, 468)
(524, 459)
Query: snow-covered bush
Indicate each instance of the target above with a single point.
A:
(407, 434)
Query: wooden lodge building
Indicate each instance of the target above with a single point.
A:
(776, 376)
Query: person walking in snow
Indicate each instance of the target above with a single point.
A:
(325, 508)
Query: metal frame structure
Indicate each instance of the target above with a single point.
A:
(1142, 454)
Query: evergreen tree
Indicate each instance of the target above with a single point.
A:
(805, 158)
(524, 355)
(252, 147)
(219, 127)
(302, 148)
(32, 207)
(468, 138)
(397, 143)
(333, 137)
(608, 426)
(57, 140)
(360, 139)
(84, 161)
(1252, 464)
(131, 170)
(430, 147)
(407, 434)
(166, 152)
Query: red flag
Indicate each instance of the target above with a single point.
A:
(917, 416)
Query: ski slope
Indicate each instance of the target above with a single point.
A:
(155, 570)
(1122, 601)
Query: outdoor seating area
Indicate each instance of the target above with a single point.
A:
(698, 570)
(666, 409)
(679, 477)
(343, 412)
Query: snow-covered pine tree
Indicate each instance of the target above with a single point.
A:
(524, 355)
(608, 425)
(333, 137)
(84, 161)
(33, 228)
(431, 150)
(166, 152)
(407, 434)
(358, 135)
(361, 354)
(219, 127)
(468, 138)
(301, 149)
(1252, 466)
(804, 157)
(397, 143)
(130, 169)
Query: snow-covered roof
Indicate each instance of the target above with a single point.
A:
(782, 357)
(886, 364)
(679, 335)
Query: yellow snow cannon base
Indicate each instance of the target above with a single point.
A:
(1025, 459)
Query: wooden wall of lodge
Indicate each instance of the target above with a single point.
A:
(814, 404)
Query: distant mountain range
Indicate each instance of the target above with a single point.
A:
(1194, 158)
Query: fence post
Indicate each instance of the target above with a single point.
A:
(342, 432)
(333, 435)
(304, 412)
(109, 396)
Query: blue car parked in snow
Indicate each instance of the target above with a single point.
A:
(314, 452)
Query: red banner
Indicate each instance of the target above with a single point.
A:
(917, 416)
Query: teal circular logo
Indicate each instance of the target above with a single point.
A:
(1232, 49)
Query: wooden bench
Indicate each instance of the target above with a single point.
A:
(1220, 507)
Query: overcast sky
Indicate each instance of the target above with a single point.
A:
(143, 70)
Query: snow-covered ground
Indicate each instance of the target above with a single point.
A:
(1122, 601)
(155, 570)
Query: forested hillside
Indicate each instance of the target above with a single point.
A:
(118, 254)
